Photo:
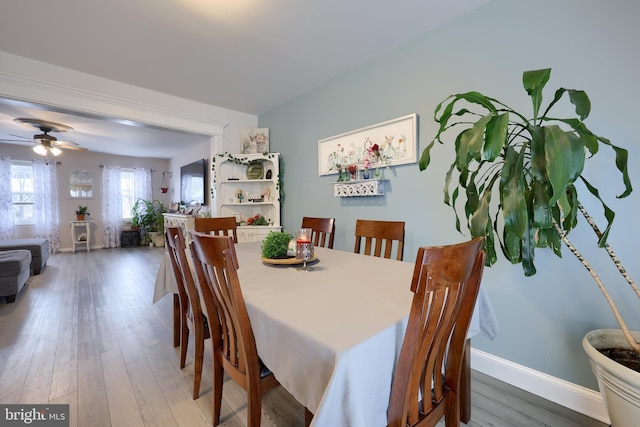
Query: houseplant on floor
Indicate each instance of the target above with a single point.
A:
(147, 215)
(531, 166)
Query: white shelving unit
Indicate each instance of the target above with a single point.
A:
(247, 185)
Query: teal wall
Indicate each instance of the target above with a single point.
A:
(590, 45)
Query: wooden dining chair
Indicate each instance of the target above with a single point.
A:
(191, 315)
(232, 340)
(323, 230)
(377, 234)
(426, 383)
(220, 226)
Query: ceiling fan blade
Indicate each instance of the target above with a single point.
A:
(20, 136)
(72, 147)
(16, 140)
(64, 143)
(67, 145)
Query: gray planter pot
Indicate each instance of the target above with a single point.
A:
(619, 385)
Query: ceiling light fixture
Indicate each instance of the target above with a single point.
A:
(43, 150)
(40, 149)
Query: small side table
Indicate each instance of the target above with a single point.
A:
(77, 235)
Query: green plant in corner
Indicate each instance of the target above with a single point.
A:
(531, 165)
(276, 244)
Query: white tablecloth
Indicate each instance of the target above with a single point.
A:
(332, 336)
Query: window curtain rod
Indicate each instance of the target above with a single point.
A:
(152, 170)
(58, 163)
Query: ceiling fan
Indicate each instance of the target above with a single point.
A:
(46, 143)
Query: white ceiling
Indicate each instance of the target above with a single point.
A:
(243, 55)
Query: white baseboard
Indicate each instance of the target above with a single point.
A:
(569, 395)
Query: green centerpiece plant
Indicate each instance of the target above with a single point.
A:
(519, 177)
(276, 244)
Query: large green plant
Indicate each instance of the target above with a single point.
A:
(529, 166)
(147, 214)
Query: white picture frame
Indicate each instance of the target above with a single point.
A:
(396, 140)
(254, 140)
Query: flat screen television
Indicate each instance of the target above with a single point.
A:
(193, 183)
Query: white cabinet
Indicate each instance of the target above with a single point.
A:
(247, 185)
(184, 222)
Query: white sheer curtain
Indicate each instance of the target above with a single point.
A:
(6, 203)
(45, 205)
(111, 207)
(142, 184)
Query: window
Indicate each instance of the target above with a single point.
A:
(22, 192)
(127, 185)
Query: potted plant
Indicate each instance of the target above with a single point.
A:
(81, 212)
(518, 177)
(275, 245)
(147, 216)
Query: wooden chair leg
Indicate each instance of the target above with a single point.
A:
(184, 344)
(199, 360)
(176, 320)
(465, 384)
(216, 388)
(254, 407)
(308, 417)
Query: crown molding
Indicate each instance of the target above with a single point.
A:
(80, 101)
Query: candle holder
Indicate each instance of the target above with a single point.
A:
(304, 248)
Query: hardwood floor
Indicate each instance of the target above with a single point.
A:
(85, 333)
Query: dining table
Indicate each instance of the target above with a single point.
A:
(331, 336)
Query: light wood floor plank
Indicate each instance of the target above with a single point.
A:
(153, 407)
(123, 409)
(93, 407)
(85, 333)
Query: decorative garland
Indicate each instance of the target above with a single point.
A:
(244, 161)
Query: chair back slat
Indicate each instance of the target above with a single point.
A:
(323, 230)
(219, 226)
(426, 384)
(379, 238)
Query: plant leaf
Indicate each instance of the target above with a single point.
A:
(496, 135)
(608, 213)
(425, 158)
(529, 246)
(580, 99)
(470, 146)
(480, 218)
(540, 205)
(538, 158)
(533, 82)
(622, 156)
(514, 205)
(564, 159)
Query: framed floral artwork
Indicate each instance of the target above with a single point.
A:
(254, 140)
(390, 143)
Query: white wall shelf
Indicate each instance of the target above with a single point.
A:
(359, 188)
